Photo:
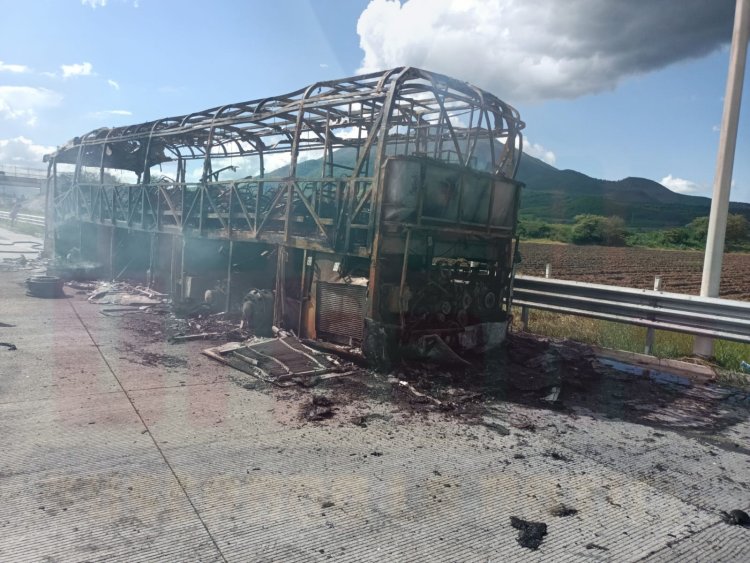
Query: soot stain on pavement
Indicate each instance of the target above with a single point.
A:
(150, 358)
(319, 408)
(530, 534)
(526, 370)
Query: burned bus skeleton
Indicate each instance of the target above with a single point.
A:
(377, 210)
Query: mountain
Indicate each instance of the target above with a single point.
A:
(557, 196)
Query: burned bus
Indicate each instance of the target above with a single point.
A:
(376, 210)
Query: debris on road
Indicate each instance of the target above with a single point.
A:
(562, 510)
(122, 293)
(498, 428)
(540, 372)
(530, 534)
(199, 336)
(205, 326)
(736, 518)
(557, 456)
(282, 361)
(419, 396)
(320, 408)
(8, 345)
(82, 286)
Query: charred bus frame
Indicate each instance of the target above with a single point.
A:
(379, 207)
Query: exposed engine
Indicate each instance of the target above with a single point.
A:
(451, 295)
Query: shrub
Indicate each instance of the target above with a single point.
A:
(595, 229)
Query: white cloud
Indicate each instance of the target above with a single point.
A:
(21, 151)
(538, 151)
(109, 112)
(82, 69)
(113, 83)
(540, 49)
(682, 186)
(15, 69)
(101, 3)
(22, 102)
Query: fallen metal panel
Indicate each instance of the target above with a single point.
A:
(275, 360)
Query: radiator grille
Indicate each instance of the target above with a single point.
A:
(341, 311)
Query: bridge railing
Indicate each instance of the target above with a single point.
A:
(10, 170)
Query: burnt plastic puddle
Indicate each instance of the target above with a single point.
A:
(658, 376)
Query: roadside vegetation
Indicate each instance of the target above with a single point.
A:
(23, 228)
(612, 231)
(618, 336)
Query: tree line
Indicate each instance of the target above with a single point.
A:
(613, 231)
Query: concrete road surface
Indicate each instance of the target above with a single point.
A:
(117, 446)
(14, 245)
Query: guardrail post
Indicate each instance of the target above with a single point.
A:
(525, 310)
(648, 349)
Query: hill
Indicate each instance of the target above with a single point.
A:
(557, 196)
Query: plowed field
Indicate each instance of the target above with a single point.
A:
(680, 270)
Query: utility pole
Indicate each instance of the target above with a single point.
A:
(717, 223)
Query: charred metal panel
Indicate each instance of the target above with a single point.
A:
(423, 191)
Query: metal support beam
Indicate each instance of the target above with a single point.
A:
(172, 265)
(182, 268)
(230, 258)
(717, 223)
(152, 252)
(112, 252)
(302, 292)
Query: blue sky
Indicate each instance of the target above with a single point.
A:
(606, 89)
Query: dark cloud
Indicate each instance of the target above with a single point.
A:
(542, 49)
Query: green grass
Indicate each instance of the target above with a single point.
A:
(23, 228)
(607, 334)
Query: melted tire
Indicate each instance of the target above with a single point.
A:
(48, 287)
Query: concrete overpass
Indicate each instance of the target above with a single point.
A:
(21, 181)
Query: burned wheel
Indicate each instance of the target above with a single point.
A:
(49, 287)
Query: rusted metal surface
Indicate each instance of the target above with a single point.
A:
(340, 170)
(281, 361)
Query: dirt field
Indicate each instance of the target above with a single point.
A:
(635, 267)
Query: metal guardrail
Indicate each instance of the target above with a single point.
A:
(37, 220)
(705, 316)
(23, 172)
